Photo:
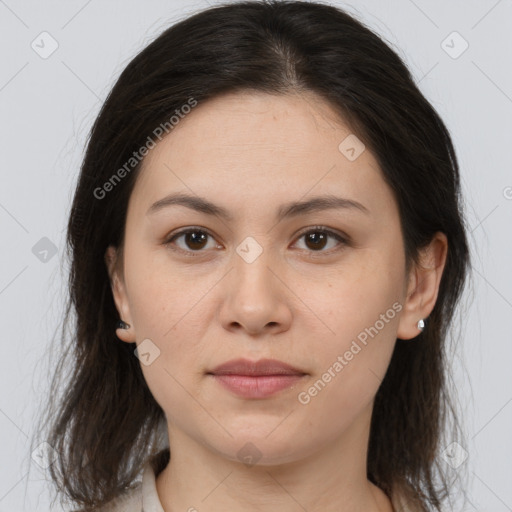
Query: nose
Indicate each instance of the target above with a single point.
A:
(255, 297)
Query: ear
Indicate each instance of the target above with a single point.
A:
(423, 286)
(119, 294)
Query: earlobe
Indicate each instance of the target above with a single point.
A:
(124, 332)
(423, 288)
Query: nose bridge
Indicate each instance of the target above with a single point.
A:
(252, 262)
(254, 298)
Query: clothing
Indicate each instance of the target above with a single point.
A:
(141, 498)
(144, 497)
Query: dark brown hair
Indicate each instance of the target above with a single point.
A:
(101, 417)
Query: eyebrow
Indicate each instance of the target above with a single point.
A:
(292, 209)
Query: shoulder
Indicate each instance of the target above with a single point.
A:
(142, 496)
(401, 504)
(129, 501)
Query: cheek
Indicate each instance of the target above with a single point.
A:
(172, 391)
(175, 374)
(360, 308)
(157, 295)
(350, 371)
(352, 299)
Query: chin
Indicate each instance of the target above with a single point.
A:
(258, 447)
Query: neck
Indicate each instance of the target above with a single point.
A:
(332, 478)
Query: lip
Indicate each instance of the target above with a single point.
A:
(256, 368)
(256, 379)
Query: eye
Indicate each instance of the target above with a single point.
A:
(317, 238)
(195, 239)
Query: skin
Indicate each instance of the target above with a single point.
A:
(297, 302)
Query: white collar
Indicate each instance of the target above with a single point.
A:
(150, 499)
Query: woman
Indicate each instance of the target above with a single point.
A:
(267, 249)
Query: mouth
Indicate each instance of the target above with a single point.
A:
(256, 379)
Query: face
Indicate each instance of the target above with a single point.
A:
(321, 289)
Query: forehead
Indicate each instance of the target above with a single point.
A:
(259, 145)
(252, 121)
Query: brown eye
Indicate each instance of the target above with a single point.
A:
(193, 239)
(317, 239)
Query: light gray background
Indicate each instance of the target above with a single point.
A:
(48, 105)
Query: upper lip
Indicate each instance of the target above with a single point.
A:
(254, 368)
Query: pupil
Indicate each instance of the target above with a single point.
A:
(321, 238)
(193, 238)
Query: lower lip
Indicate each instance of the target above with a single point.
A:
(256, 387)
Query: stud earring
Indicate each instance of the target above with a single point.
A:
(122, 325)
(421, 325)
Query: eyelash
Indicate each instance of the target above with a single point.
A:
(344, 240)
